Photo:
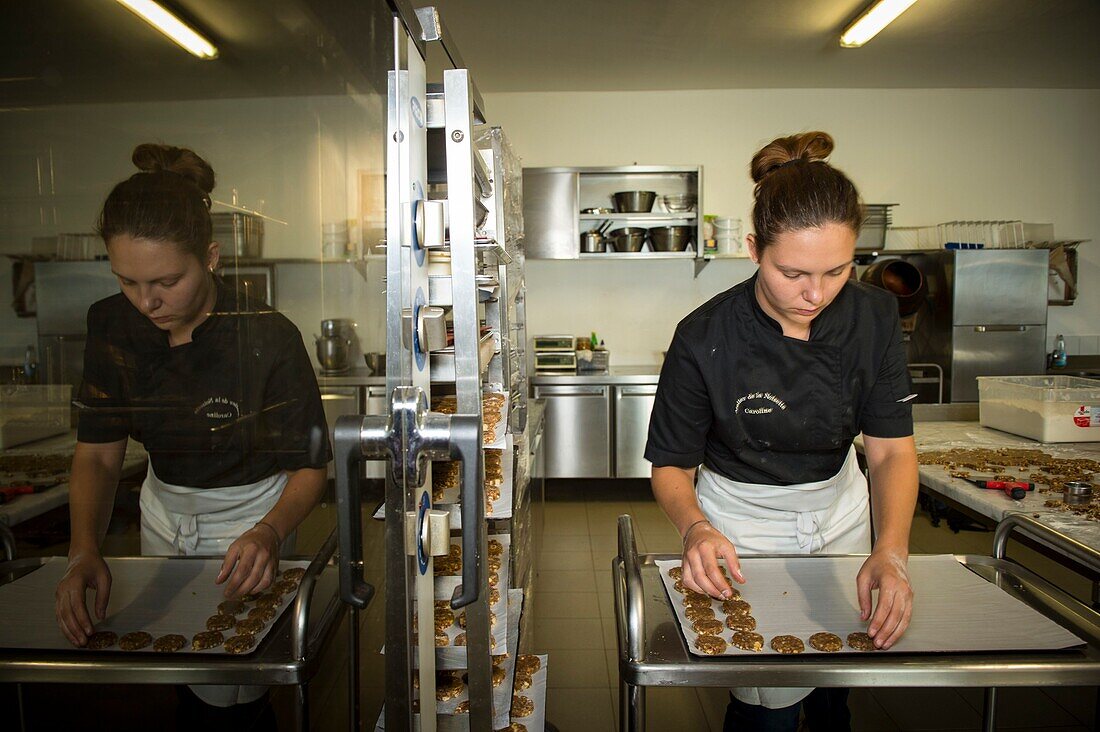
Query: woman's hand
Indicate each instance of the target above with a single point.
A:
(703, 545)
(251, 562)
(886, 571)
(85, 570)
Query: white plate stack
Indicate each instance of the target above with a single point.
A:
(727, 235)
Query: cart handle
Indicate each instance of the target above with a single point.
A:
(304, 601)
(629, 595)
(1025, 524)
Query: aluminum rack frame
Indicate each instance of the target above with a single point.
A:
(652, 650)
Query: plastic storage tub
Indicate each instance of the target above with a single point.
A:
(29, 413)
(1044, 408)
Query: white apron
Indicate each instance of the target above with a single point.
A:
(180, 520)
(830, 516)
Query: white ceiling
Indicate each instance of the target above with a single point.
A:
(599, 45)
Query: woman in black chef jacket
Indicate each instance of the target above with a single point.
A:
(765, 387)
(219, 390)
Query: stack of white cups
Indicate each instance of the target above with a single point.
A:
(334, 240)
(727, 235)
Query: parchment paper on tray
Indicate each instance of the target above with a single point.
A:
(953, 608)
(158, 595)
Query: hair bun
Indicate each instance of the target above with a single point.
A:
(809, 146)
(154, 158)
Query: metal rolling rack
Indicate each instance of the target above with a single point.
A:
(438, 130)
(652, 651)
(290, 655)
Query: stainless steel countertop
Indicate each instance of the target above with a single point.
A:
(354, 377)
(647, 374)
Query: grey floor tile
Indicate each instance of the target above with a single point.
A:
(610, 634)
(613, 668)
(610, 542)
(1023, 707)
(565, 543)
(579, 710)
(1080, 701)
(578, 668)
(926, 709)
(556, 561)
(607, 605)
(566, 580)
(552, 634)
(566, 604)
(674, 709)
(565, 518)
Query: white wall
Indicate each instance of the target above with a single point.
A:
(942, 154)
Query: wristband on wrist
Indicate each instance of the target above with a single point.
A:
(278, 538)
(692, 526)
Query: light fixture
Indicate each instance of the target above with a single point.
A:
(881, 14)
(171, 26)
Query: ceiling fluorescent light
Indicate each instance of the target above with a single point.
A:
(171, 26)
(881, 14)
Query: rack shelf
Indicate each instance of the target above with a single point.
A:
(654, 216)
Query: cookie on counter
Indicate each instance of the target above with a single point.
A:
(748, 641)
(787, 644)
(712, 645)
(240, 643)
(169, 643)
(207, 639)
(826, 642)
(101, 639)
(135, 641)
(860, 642)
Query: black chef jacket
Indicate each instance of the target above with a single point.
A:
(237, 404)
(738, 396)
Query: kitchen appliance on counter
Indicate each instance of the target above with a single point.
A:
(334, 345)
(555, 354)
(965, 314)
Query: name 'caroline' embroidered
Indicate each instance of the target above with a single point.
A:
(739, 405)
(219, 408)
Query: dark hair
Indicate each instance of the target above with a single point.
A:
(796, 189)
(167, 200)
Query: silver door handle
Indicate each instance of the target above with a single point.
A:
(637, 390)
(1000, 328)
(408, 438)
(574, 391)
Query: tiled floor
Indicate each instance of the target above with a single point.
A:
(574, 623)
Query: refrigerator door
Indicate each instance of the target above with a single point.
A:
(994, 350)
(1001, 287)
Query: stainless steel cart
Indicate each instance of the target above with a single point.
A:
(652, 650)
(289, 656)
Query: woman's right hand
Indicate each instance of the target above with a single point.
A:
(703, 545)
(85, 570)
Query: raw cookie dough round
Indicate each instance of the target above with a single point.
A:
(676, 573)
(693, 613)
(522, 706)
(284, 587)
(169, 643)
(240, 643)
(860, 642)
(696, 600)
(463, 707)
(495, 548)
(220, 622)
(135, 641)
(207, 639)
(708, 626)
(521, 681)
(448, 685)
(740, 622)
(251, 597)
(787, 644)
(712, 645)
(441, 640)
(678, 585)
(294, 573)
(444, 618)
(494, 596)
(269, 599)
(528, 663)
(249, 626)
(826, 642)
(102, 639)
(736, 606)
(748, 641)
(266, 614)
(232, 607)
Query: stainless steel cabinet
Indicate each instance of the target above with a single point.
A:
(633, 405)
(577, 440)
(550, 213)
(340, 400)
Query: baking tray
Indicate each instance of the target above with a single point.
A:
(159, 595)
(801, 596)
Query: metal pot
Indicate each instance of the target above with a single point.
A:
(627, 239)
(634, 201)
(594, 241)
(670, 238)
(376, 362)
(332, 353)
(238, 234)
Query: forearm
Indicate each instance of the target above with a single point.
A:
(92, 485)
(894, 485)
(674, 489)
(303, 491)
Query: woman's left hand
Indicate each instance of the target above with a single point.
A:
(886, 571)
(251, 562)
